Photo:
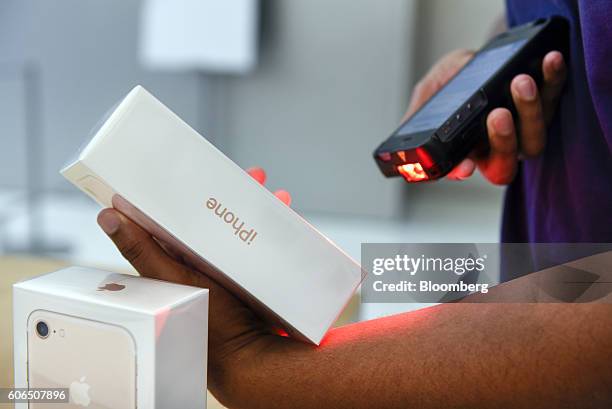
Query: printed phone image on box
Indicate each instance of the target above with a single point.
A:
(110, 340)
(150, 165)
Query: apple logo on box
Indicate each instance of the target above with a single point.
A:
(111, 287)
(79, 392)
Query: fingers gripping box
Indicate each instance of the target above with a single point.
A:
(113, 340)
(149, 164)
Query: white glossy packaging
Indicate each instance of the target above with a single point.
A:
(114, 340)
(148, 163)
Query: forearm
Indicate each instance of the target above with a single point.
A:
(452, 355)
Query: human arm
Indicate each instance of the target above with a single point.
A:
(450, 355)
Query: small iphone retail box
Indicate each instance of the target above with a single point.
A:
(111, 340)
(149, 164)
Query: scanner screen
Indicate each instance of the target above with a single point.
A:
(460, 88)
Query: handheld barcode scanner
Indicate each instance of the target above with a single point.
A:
(443, 132)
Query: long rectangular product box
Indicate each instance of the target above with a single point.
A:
(149, 164)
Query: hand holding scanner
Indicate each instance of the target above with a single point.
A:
(452, 123)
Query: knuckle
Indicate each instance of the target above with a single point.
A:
(132, 251)
(532, 135)
(532, 122)
(531, 113)
(531, 118)
(503, 144)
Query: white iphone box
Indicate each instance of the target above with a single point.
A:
(149, 164)
(112, 340)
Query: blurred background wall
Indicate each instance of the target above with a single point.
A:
(332, 81)
(87, 57)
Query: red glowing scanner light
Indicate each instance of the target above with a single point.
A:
(412, 172)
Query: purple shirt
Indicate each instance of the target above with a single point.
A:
(565, 195)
